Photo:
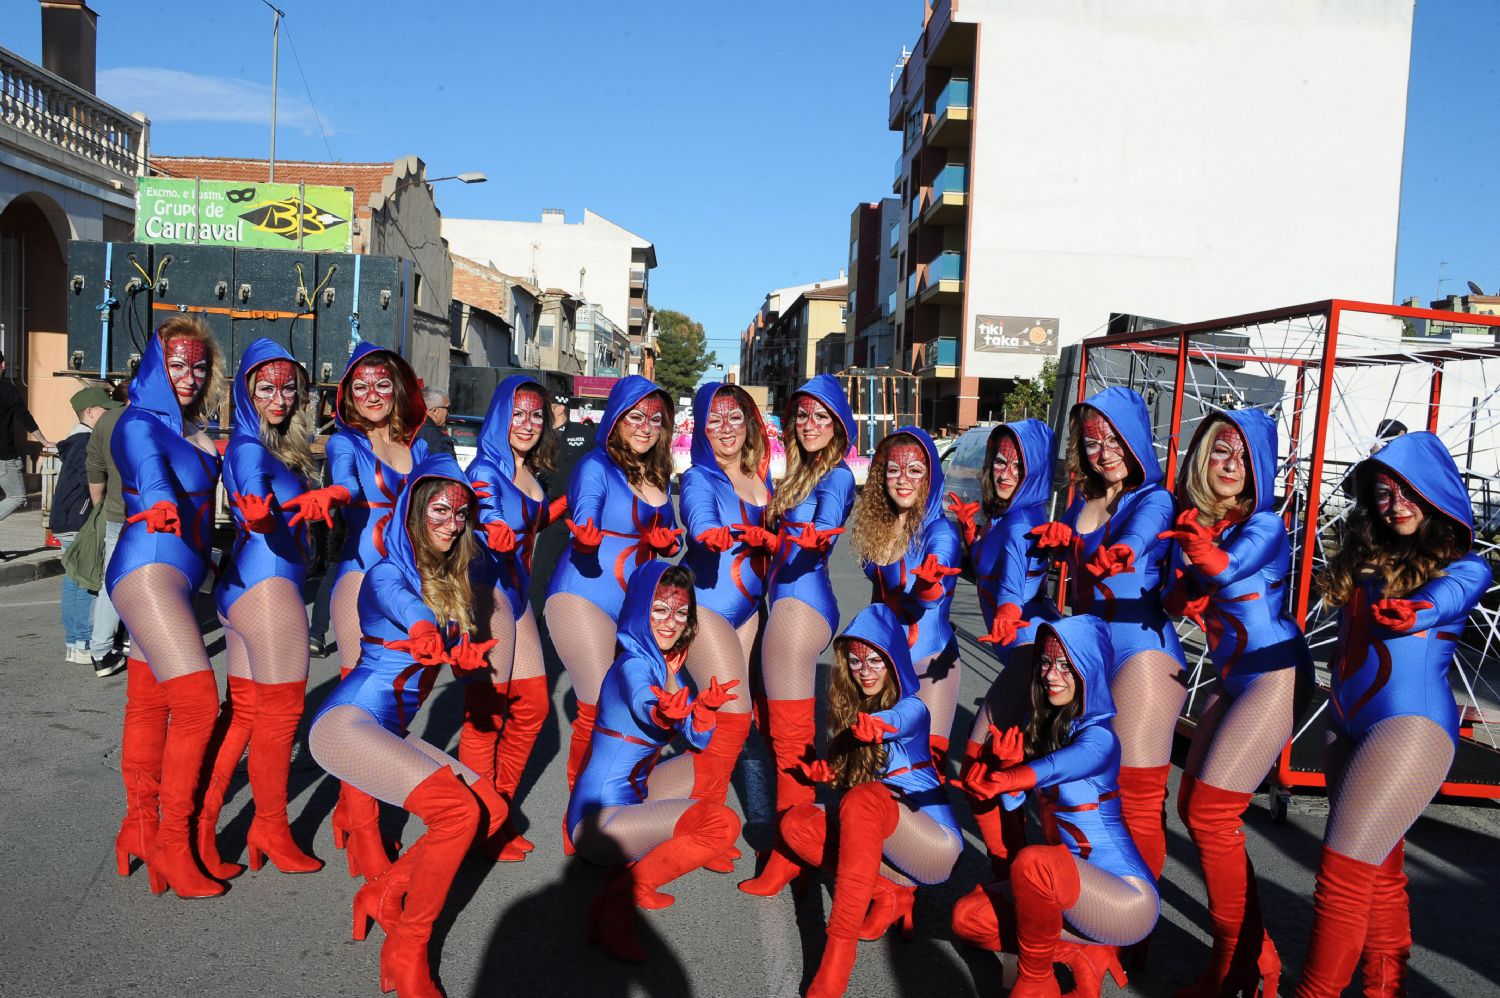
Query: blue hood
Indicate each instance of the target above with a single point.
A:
(1421, 461)
(493, 444)
(1086, 640)
(151, 388)
(398, 547)
(1038, 447)
(703, 450)
(626, 393)
(1259, 431)
(826, 389)
(635, 635)
(1126, 412)
(935, 497)
(876, 625)
(246, 419)
(416, 407)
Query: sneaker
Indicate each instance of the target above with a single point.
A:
(315, 646)
(75, 655)
(109, 665)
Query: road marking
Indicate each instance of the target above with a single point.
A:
(17, 606)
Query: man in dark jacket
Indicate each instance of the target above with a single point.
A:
(438, 441)
(71, 506)
(14, 420)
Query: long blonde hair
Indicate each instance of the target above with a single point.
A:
(1194, 488)
(291, 442)
(853, 761)
(804, 471)
(445, 574)
(184, 325)
(874, 533)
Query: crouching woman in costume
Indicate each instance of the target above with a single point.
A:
(1087, 890)
(414, 612)
(1405, 581)
(893, 828)
(623, 813)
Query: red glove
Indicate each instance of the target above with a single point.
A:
(257, 512)
(1111, 561)
(662, 539)
(423, 643)
(756, 537)
(556, 508)
(316, 504)
(1008, 747)
(499, 536)
(964, 512)
(670, 707)
(817, 771)
(161, 518)
(718, 539)
(984, 783)
(1006, 625)
(1398, 614)
(1052, 536)
(710, 700)
(930, 575)
(468, 657)
(1197, 542)
(825, 537)
(586, 536)
(869, 728)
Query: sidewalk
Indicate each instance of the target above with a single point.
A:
(23, 554)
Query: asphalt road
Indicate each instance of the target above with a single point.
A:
(70, 926)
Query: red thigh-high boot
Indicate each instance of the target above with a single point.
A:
(368, 852)
(791, 730)
(1044, 881)
(937, 747)
(1388, 939)
(1089, 962)
(141, 746)
(578, 752)
(1143, 798)
(1341, 918)
(712, 769)
(193, 703)
(451, 814)
(867, 817)
(704, 831)
(528, 705)
(891, 903)
(1003, 832)
(1243, 954)
(478, 739)
(801, 833)
(985, 919)
(278, 709)
(231, 735)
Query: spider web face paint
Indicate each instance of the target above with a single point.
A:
(187, 367)
(274, 388)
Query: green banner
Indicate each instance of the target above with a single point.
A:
(231, 213)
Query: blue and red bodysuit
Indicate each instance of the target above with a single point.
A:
(157, 464)
(926, 619)
(732, 583)
(373, 485)
(251, 469)
(599, 491)
(1008, 568)
(1378, 672)
(388, 682)
(801, 573)
(627, 742)
(1129, 602)
(1242, 607)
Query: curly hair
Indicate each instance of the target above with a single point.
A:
(653, 467)
(291, 442)
(1080, 471)
(543, 454)
(853, 761)
(1370, 546)
(681, 576)
(445, 574)
(989, 500)
(1193, 483)
(1049, 727)
(754, 450)
(184, 325)
(401, 408)
(875, 536)
(804, 471)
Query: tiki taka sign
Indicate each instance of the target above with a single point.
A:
(1014, 334)
(232, 213)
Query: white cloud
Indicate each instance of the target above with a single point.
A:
(171, 95)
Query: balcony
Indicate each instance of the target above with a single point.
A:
(949, 198)
(911, 285)
(938, 358)
(950, 115)
(943, 279)
(638, 280)
(637, 315)
(41, 112)
(893, 239)
(893, 302)
(900, 172)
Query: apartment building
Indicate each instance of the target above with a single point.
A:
(870, 331)
(780, 348)
(1064, 160)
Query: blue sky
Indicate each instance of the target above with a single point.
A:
(738, 137)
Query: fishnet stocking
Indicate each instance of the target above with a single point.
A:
(937, 686)
(1115, 911)
(236, 655)
(492, 610)
(1380, 785)
(795, 637)
(156, 604)
(1149, 692)
(615, 835)
(269, 623)
(921, 848)
(671, 778)
(1238, 738)
(528, 662)
(343, 610)
(584, 637)
(718, 653)
(351, 745)
(1008, 697)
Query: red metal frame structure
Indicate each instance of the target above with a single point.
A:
(1313, 366)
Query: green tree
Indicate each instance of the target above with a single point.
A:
(1032, 399)
(681, 357)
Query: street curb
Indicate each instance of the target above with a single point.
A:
(31, 571)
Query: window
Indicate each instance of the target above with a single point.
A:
(416, 289)
(547, 329)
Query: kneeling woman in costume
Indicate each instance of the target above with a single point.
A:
(621, 811)
(414, 613)
(1087, 891)
(893, 828)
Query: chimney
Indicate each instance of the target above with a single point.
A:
(69, 28)
(553, 216)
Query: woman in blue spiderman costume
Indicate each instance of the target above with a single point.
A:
(259, 600)
(1405, 581)
(1109, 540)
(1086, 891)
(169, 471)
(893, 828)
(415, 618)
(621, 519)
(724, 496)
(1228, 570)
(625, 810)
(504, 711)
(378, 408)
(1010, 576)
(913, 557)
(807, 511)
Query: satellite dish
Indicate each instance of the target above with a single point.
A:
(1475, 289)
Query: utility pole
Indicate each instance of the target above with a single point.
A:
(276, 16)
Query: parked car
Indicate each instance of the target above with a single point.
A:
(963, 465)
